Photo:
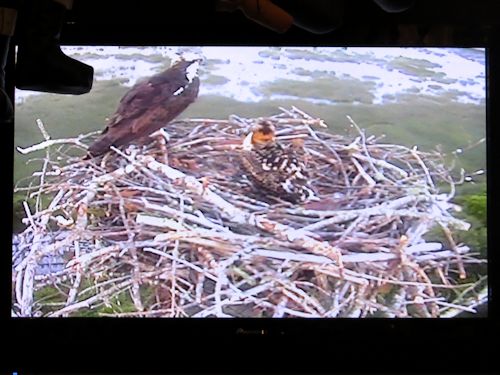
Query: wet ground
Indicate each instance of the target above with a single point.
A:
(253, 74)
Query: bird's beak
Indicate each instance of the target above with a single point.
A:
(247, 142)
(198, 60)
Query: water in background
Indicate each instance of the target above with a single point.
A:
(240, 72)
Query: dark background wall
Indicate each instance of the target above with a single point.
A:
(443, 22)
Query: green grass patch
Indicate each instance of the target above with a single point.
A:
(346, 90)
(273, 53)
(339, 55)
(474, 212)
(414, 67)
(215, 80)
(157, 58)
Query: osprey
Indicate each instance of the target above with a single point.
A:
(150, 105)
(277, 169)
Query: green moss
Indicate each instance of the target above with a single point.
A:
(315, 74)
(335, 89)
(302, 72)
(210, 64)
(148, 294)
(49, 299)
(49, 294)
(87, 55)
(120, 303)
(296, 54)
(339, 55)
(157, 58)
(474, 212)
(476, 238)
(436, 87)
(215, 80)
(442, 78)
(271, 53)
(475, 206)
(413, 67)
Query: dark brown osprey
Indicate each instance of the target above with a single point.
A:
(150, 105)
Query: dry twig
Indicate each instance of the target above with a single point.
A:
(185, 234)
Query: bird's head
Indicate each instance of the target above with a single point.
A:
(189, 64)
(263, 132)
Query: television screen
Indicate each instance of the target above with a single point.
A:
(304, 182)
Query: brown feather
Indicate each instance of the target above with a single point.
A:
(147, 107)
(278, 170)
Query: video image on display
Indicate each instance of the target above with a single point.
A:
(254, 182)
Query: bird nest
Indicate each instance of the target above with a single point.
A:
(172, 227)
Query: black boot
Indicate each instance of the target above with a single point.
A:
(6, 109)
(41, 65)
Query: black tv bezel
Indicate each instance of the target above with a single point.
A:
(244, 345)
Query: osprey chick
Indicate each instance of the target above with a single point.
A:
(279, 170)
(150, 105)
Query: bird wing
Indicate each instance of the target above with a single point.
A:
(164, 107)
(276, 169)
(136, 102)
(259, 164)
(145, 108)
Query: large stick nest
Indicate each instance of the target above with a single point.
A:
(173, 227)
